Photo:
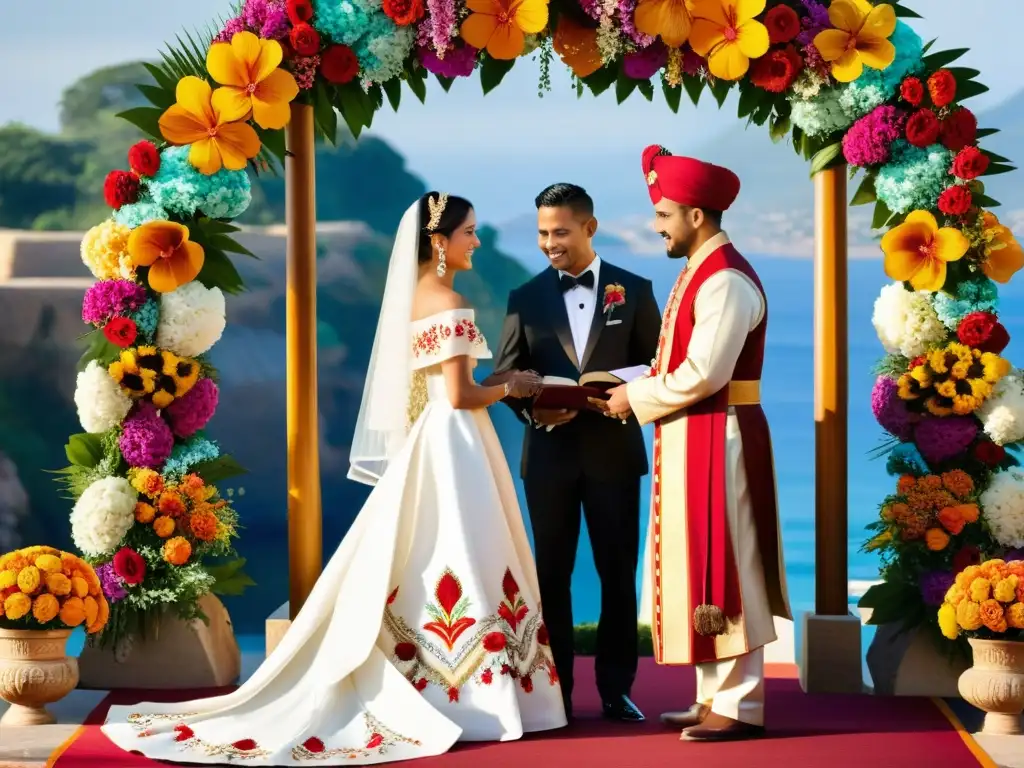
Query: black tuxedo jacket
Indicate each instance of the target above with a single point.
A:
(536, 336)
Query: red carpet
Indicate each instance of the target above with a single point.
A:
(805, 731)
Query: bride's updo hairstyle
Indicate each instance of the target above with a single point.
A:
(456, 209)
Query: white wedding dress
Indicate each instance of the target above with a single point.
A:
(424, 628)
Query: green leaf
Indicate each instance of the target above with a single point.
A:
(884, 592)
(393, 90)
(904, 12)
(600, 81)
(98, 349)
(985, 201)
(963, 73)
(216, 226)
(750, 97)
(673, 95)
(274, 142)
(866, 191)
(881, 215)
(694, 86)
(324, 114)
(219, 272)
(228, 245)
(762, 113)
(827, 157)
(969, 90)
(993, 157)
(938, 60)
(84, 450)
(165, 81)
(645, 88)
(355, 107)
(226, 570)
(994, 169)
(221, 468)
(720, 90)
(146, 119)
(983, 132)
(928, 46)
(418, 84)
(157, 96)
(493, 71)
(624, 86)
(446, 82)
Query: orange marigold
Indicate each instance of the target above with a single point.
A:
(79, 586)
(92, 609)
(958, 482)
(906, 483)
(163, 526)
(177, 551)
(913, 528)
(45, 608)
(969, 512)
(28, 579)
(171, 504)
(992, 616)
(1015, 615)
(204, 525)
(144, 512)
(58, 584)
(936, 539)
(102, 616)
(72, 613)
(952, 520)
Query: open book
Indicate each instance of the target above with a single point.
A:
(561, 393)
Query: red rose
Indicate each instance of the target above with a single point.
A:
(121, 331)
(339, 65)
(129, 565)
(783, 24)
(922, 128)
(120, 188)
(989, 454)
(959, 129)
(942, 88)
(967, 556)
(300, 11)
(494, 642)
(405, 651)
(776, 71)
(404, 12)
(144, 158)
(314, 745)
(955, 200)
(245, 745)
(982, 330)
(304, 39)
(970, 163)
(912, 91)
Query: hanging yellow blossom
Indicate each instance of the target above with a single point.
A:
(860, 38)
(164, 247)
(671, 20)
(917, 251)
(248, 70)
(500, 26)
(727, 34)
(210, 123)
(1003, 254)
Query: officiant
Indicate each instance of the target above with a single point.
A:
(582, 315)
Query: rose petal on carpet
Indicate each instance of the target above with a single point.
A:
(804, 730)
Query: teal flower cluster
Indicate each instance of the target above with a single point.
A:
(381, 47)
(136, 214)
(877, 86)
(146, 318)
(182, 190)
(978, 295)
(914, 178)
(187, 455)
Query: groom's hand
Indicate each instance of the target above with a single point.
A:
(552, 418)
(618, 404)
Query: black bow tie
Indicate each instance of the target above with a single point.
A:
(568, 282)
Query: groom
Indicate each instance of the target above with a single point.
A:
(583, 314)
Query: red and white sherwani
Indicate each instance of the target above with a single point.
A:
(714, 527)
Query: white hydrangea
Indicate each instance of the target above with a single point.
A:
(102, 515)
(1002, 414)
(192, 319)
(101, 402)
(1003, 507)
(906, 322)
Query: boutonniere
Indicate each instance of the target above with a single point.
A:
(614, 296)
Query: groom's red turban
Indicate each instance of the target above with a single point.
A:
(687, 181)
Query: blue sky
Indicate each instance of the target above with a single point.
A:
(499, 149)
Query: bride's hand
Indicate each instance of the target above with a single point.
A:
(523, 384)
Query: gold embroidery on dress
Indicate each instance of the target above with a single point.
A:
(417, 397)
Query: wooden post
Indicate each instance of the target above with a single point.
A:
(305, 553)
(830, 393)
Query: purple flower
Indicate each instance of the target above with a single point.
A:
(627, 11)
(645, 63)
(592, 8)
(1014, 554)
(190, 413)
(231, 28)
(890, 411)
(934, 585)
(941, 439)
(693, 62)
(439, 26)
(267, 18)
(112, 584)
(109, 298)
(814, 22)
(869, 140)
(457, 62)
(146, 440)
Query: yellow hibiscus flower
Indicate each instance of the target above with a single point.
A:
(727, 34)
(918, 250)
(248, 70)
(860, 38)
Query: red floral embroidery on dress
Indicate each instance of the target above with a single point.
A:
(243, 749)
(379, 739)
(428, 342)
(510, 642)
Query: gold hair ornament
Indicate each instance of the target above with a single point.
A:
(436, 207)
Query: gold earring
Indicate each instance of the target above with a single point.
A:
(441, 266)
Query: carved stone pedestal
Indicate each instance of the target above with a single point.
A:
(35, 670)
(178, 655)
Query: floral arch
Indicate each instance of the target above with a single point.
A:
(848, 83)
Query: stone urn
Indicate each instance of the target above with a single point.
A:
(995, 684)
(35, 670)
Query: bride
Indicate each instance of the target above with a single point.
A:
(424, 628)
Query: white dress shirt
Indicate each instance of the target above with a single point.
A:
(580, 305)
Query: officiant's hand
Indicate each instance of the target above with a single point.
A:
(552, 418)
(618, 404)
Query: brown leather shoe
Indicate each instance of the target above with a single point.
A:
(730, 730)
(687, 719)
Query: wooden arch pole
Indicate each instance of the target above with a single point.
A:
(305, 553)
(830, 393)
